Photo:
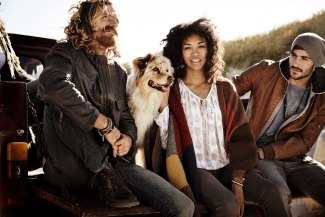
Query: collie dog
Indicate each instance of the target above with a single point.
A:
(149, 80)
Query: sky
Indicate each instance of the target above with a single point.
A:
(144, 23)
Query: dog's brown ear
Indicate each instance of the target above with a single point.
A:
(172, 70)
(140, 64)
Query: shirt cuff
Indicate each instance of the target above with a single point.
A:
(162, 118)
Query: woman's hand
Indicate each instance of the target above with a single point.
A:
(239, 193)
(164, 101)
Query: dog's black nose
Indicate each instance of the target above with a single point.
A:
(170, 78)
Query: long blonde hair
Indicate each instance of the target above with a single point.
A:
(80, 32)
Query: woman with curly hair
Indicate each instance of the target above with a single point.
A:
(210, 149)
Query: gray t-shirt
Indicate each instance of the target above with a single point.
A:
(294, 103)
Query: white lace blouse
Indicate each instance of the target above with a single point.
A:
(205, 124)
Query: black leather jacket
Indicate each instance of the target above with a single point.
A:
(81, 86)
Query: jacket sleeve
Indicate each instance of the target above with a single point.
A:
(239, 138)
(56, 89)
(246, 80)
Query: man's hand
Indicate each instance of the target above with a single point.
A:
(112, 138)
(122, 146)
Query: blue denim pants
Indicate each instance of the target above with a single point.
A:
(152, 189)
(216, 193)
(306, 176)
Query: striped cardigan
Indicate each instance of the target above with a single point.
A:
(240, 145)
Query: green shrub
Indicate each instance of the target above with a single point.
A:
(242, 53)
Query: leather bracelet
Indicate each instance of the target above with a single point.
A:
(109, 123)
(109, 128)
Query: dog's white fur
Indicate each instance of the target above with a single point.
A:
(150, 78)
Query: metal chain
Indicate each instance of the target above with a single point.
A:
(40, 137)
(69, 198)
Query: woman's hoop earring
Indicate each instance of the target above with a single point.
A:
(180, 66)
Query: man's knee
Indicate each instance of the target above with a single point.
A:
(280, 190)
(187, 209)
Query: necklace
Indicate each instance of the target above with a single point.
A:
(285, 103)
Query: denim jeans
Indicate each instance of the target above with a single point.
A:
(221, 201)
(153, 190)
(307, 177)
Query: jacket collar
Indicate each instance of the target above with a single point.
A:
(317, 79)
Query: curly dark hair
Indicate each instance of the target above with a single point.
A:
(80, 32)
(202, 27)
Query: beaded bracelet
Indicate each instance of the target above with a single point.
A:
(109, 128)
(237, 183)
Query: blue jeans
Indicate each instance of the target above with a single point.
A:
(152, 189)
(307, 177)
(221, 201)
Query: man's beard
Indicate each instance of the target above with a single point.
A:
(107, 37)
(301, 77)
(304, 75)
(106, 41)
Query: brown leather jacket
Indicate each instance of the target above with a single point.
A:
(268, 82)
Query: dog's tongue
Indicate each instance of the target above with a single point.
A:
(162, 88)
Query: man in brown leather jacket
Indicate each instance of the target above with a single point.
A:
(88, 128)
(286, 111)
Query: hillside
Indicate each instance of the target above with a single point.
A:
(242, 53)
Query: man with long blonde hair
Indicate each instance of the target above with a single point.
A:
(88, 128)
